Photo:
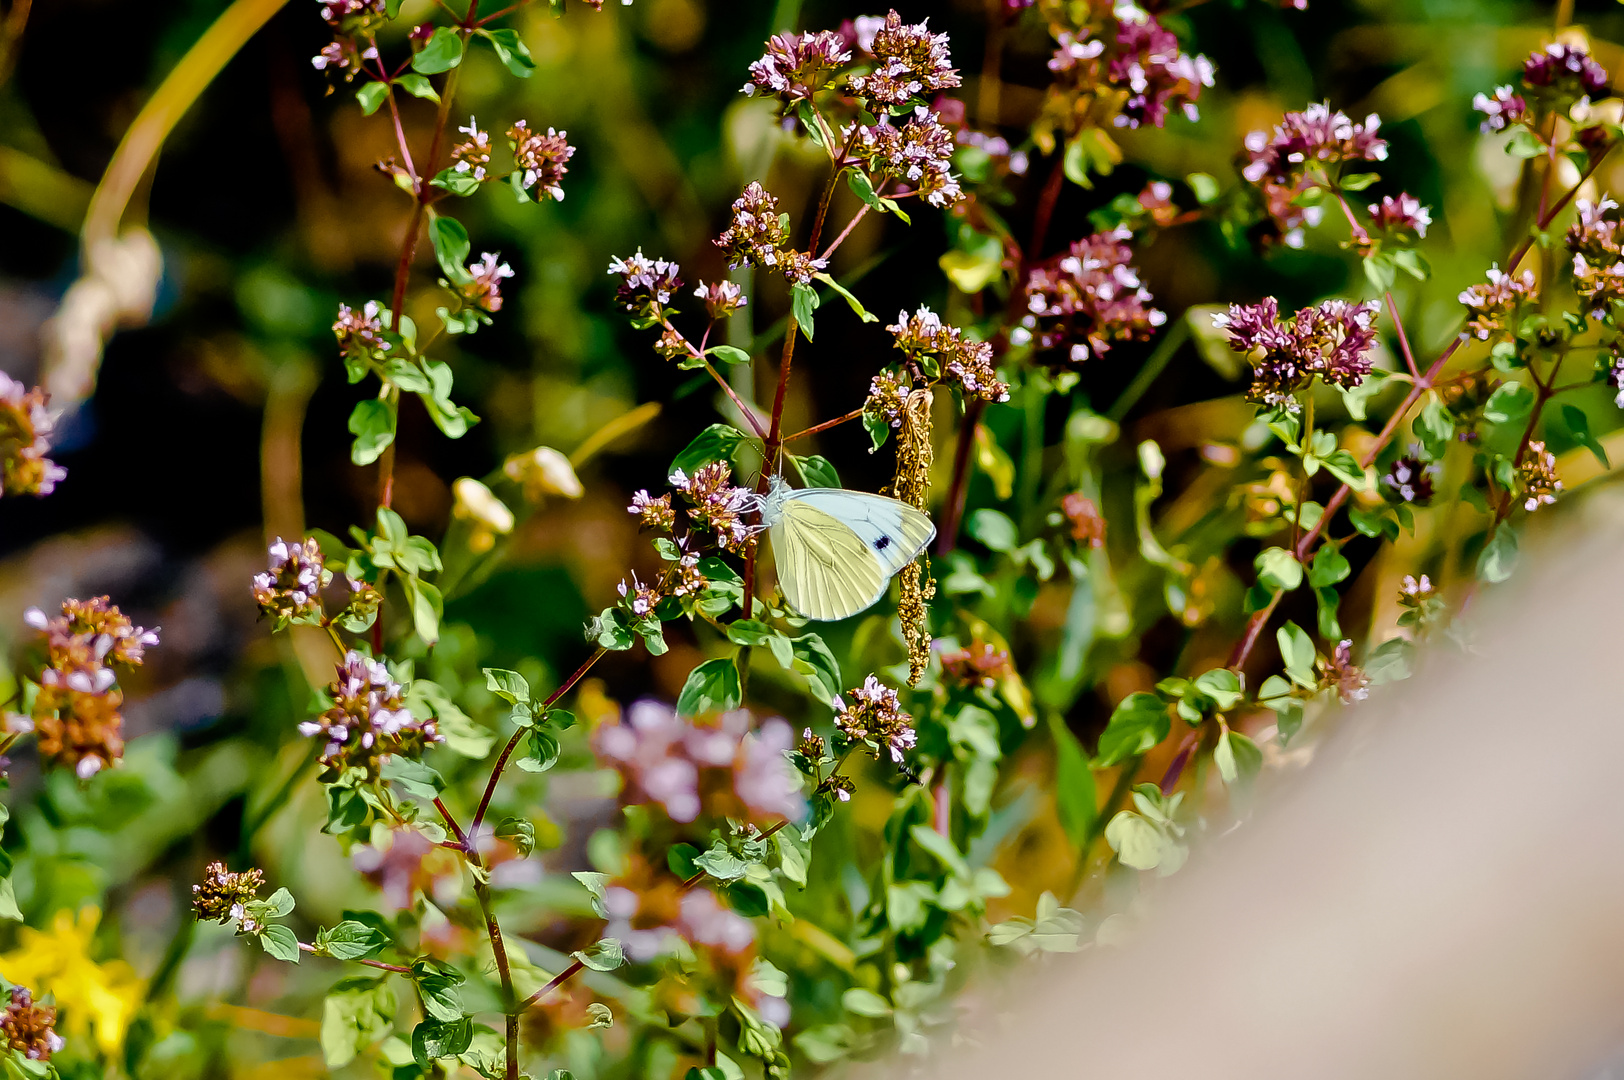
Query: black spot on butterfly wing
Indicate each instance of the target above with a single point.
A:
(882, 542)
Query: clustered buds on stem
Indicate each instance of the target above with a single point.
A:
(797, 66)
(542, 160)
(912, 62)
(1538, 474)
(1410, 478)
(936, 349)
(1332, 342)
(646, 286)
(75, 712)
(368, 722)
(26, 428)
(1087, 298)
(224, 896)
(1338, 672)
(919, 154)
(875, 719)
(1156, 75)
(716, 503)
(1497, 304)
(29, 1028)
(290, 590)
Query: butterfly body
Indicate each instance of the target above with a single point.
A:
(837, 550)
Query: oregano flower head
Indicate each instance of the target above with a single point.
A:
(796, 66)
(1566, 71)
(1495, 304)
(290, 589)
(1317, 135)
(756, 232)
(919, 153)
(1087, 298)
(875, 717)
(1157, 75)
(369, 721)
(542, 159)
(29, 1028)
(913, 62)
(26, 428)
(1331, 341)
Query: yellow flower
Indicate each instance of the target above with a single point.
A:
(95, 1000)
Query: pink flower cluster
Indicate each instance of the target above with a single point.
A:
(719, 766)
(1317, 135)
(25, 438)
(369, 722)
(1149, 65)
(1331, 341)
(796, 66)
(1087, 298)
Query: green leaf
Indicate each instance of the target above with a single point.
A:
(418, 87)
(520, 832)
(442, 53)
(865, 1002)
(1137, 724)
(803, 300)
(1525, 144)
(542, 752)
(458, 183)
(1237, 757)
(434, 1039)
(1380, 271)
(1204, 187)
(994, 529)
(1329, 566)
(1074, 794)
(749, 632)
(437, 985)
(351, 940)
(1139, 844)
(728, 354)
(371, 95)
(720, 863)
(510, 686)
(815, 470)
(279, 905)
(451, 248)
(1298, 653)
(1435, 427)
(1413, 263)
(356, 1013)
(1345, 467)
(1510, 403)
(1578, 425)
(711, 687)
(1499, 556)
(814, 660)
(280, 942)
(511, 50)
(941, 847)
(1358, 181)
(715, 443)
(414, 777)
(595, 884)
(1222, 686)
(8, 901)
(1390, 661)
(372, 422)
(604, 955)
(1278, 568)
(427, 607)
(851, 301)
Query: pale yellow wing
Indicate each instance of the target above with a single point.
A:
(826, 570)
(893, 531)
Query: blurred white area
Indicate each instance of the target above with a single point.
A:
(1439, 893)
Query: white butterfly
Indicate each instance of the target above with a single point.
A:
(837, 550)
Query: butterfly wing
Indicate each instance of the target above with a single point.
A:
(894, 531)
(838, 549)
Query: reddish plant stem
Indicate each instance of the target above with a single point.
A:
(1403, 339)
(825, 426)
(1421, 385)
(552, 984)
(513, 743)
(396, 968)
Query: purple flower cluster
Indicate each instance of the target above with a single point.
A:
(484, 291)
(369, 722)
(756, 232)
(721, 299)
(653, 513)
(911, 62)
(1538, 473)
(1338, 672)
(1496, 302)
(716, 503)
(360, 333)
(1401, 216)
(1149, 65)
(472, 154)
(796, 66)
(1410, 478)
(1331, 341)
(700, 920)
(720, 767)
(1315, 135)
(290, 590)
(1598, 254)
(541, 159)
(26, 428)
(1502, 110)
(919, 153)
(1074, 51)
(1566, 71)
(646, 285)
(924, 338)
(1087, 298)
(875, 718)
(29, 1029)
